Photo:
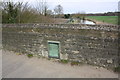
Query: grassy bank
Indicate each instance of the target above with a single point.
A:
(106, 19)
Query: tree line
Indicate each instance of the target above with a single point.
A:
(105, 14)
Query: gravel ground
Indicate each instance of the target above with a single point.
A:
(20, 66)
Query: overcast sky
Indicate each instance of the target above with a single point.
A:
(88, 6)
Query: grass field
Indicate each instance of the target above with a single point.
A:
(106, 19)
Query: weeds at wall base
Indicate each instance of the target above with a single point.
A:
(29, 55)
(63, 61)
(117, 69)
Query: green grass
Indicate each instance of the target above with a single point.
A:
(30, 55)
(18, 53)
(106, 19)
(76, 63)
(117, 69)
(64, 61)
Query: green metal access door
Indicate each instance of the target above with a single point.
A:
(53, 50)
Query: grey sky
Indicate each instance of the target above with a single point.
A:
(88, 6)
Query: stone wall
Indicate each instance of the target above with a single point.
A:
(93, 44)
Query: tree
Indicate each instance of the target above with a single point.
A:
(13, 12)
(67, 16)
(50, 12)
(41, 7)
(58, 10)
(9, 12)
(45, 10)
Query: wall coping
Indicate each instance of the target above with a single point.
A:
(71, 26)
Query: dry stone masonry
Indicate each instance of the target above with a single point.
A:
(92, 44)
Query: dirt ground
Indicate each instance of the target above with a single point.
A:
(20, 66)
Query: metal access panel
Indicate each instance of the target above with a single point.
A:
(53, 49)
